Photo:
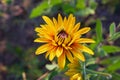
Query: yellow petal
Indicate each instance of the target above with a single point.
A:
(42, 49)
(83, 30)
(77, 76)
(69, 56)
(40, 30)
(71, 24)
(77, 34)
(44, 28)
(77, 26)
(47, 20)
(76, 62)
(73, 66)
(85, 40)
(47, 54)
(42, 40)
(52, 54)
(70, 17)
(86, 49)
(60, 21)
(59, 51)
(68, 23)
(37, 29)
(46, 36)
(50, 25)
(65, 20)
(44, 33)
(61, 61)
(55, 22)
(78, 54)
(72, 41)
(71, 72)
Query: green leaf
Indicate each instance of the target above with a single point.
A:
(93, 46)
(16, 69)
(90, 61)
(80, 4)
(115, 66)
(115, 36)
(110, 60)
(54, 2)
(101, 52)
(85, 12)
(98, 77)
(52, 75)
(93, 4)
(67, 8)
(111, 49)
(40, 9)
(99, 31)
(113, 63)
(115, 76)
(112, 29)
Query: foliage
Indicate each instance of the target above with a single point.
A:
(44, 5)
(78, 7)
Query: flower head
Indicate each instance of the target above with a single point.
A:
(62, 39)
(74, 70)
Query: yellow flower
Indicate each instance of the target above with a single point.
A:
(74, 70)
(61, 38)
(4, 1)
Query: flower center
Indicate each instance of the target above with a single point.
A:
(62, 35)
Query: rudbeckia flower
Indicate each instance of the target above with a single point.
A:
(74, 71)
(62, 38)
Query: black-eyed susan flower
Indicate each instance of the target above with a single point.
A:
(62, 39)
(74, 71)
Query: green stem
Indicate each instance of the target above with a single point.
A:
(100, 73)
(84, 71)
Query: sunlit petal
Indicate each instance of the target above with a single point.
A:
(47, 54)
(68, 23)
(76, 77)
(83, 30)
(60, 20)
(52, 54)
(85, 40)
(77, 26)
(37, 29)
(71, 24)
(47, 20)
(69, 56)
(42, 49)
(59, 51)
(41, 40)
(50, 24)
(78, 54)
(86, 49)
(61, 61)
(55, 22)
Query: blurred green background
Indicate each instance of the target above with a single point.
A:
(18, 19)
